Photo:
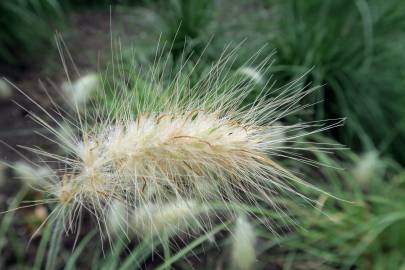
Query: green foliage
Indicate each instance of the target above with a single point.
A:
(105, 4)
(352, 49)
(27, 26)
(186, 23)
(364, 229)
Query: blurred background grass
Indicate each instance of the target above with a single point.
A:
(353, 49)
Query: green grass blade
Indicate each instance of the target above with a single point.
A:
(70, 265)
(55, 244)
(190, 247)
(39, 257)
(8, 217)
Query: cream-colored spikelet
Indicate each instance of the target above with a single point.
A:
(153, 142)
(368, 166)
(168, 219)
(243, 254)
(158, 219)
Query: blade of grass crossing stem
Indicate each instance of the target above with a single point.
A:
(55, 243)
(40, 254)
(111, 262)
(8, 217)
(373, 234)
(166, 246)
(139, 254)
(190, 247)
(96, 261)
(70, 265)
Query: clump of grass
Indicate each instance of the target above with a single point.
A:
(185, 24)
(183, 27)
(366, 233)
(351, 50)
(26, 26)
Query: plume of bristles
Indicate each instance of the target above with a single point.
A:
(152, 142)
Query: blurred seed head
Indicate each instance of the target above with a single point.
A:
(368, 167)
(173, 218)
(243, 245)
(5, 90)
(253, 74)
(79, 91)
(158, 219)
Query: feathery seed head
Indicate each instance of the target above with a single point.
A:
(153, 143)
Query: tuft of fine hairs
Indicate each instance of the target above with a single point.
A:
(152, 144)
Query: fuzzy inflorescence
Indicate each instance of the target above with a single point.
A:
(153, 143)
